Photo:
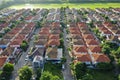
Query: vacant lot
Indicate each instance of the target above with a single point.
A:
(79, 5)
(55, 69)
(99, 75)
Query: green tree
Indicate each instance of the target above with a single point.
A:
(80, 70)
(55, 78)
(87, 77)
(25, 73)
(106, 49)
(104, 66)
(118, 63)
(46, 76)
(117, 53)
(6, 30)
(38, 73)
(8, 67)
(63, 60)
(24, 45)
(7, 71)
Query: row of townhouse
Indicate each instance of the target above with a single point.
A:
(53, 15)
(85, 46)
(110, 31)
(73, 15)
(10, 43)
(113, 13)
(46, 45)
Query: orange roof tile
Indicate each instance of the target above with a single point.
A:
(100, 58)
(92, 42)
(83, 57)
(2, 60)
(96, 49)
(53, 42)
(80, 49)
(88, 36)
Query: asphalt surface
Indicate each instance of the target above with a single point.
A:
(67, 71)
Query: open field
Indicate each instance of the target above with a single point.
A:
(103, 75)
(55, 69)
(71, 5)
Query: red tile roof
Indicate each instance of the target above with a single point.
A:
(53, 42)
(95, 49)
(92, 42)
(81, 49)
(54, 36)
(83, 57)
(88, 36)
(2, 60)
(100, 58)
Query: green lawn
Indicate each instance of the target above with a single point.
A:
(71, 5)
(98, 75)
(55, 69)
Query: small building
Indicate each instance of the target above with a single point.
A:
(38, 61)
(54, 54)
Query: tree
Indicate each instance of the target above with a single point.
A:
(8, 67)
(55, 78)
(38, 73)
(6, 30)
(104, 66)
(63, 60)
(46, 76)
(106, 49)
(87, 77)
(25, 73)
(24, 45)
(118, 64)
(7, 71)
(80, 70)
(117, 53)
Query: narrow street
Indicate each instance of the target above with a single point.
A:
(21, 62)
(67, 72)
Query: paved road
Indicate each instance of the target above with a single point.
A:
(21, 62)
(67, 72)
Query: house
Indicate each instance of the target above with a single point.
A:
(54, 36)
(78, 43)
(92, 42)
(37, 52)
(84, 58)
(2, 60)
(10, 52)
(1, 50)
(79, 50)
(76, 37)
(88, 36)
(54, 54)
(40, 43)
(100, 58)
(38, 62)
(95, 49)
(4, 43)
(53, 42)
(16, 43)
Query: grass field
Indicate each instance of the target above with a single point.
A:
(103, 75)
(55, 69)
(71, 5)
